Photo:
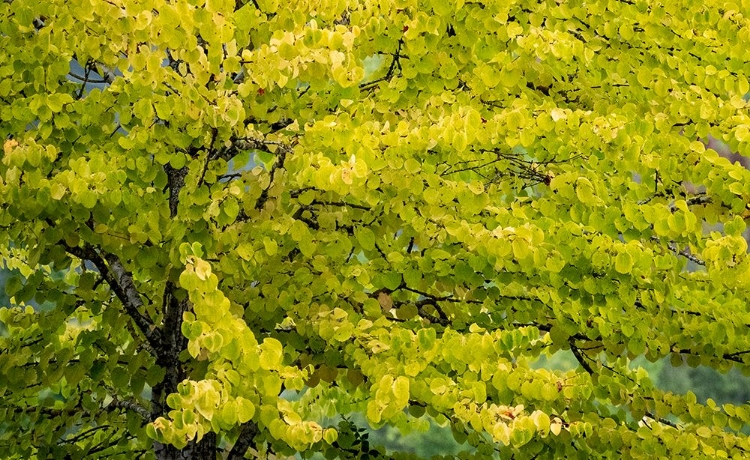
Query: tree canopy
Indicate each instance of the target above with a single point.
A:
(239, 219)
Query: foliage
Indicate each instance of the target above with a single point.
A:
(706, 383)
(240, 210)
(435, 440)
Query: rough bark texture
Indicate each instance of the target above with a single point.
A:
(244, 441)
(168, 354)
(173, 342)
(176, 180)
(203, 450)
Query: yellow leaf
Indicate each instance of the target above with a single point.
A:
(626, 31)
(742, 133)
(202, 269)
(644, 76)
(9, 145)
(743, 86)
(400, 390)
(476, 187)
(557, 114)
(513, 29)
(57, 191)
(346, 176)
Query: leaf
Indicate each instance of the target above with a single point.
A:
(392, 280)
(206, 402)
(189, 280)
(229, 413)
(385, 301)
(426, 338)
(372, 308)
(245, 409)
(626, 32)
(445, 207)
(87, 198)
(521, 249)
(541, 421)
(374, 412)
(245, 251)
(366, 238)
(271, 246)
(623, 262)
(9, 145)
(330, 435)
(271, 353)
(57, 191)
(154, 375)
(401, 391)
(231, 209)
(202, 269)
(585, 192)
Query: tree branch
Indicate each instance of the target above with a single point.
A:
(682, 252)
(121, 282)
(175, 182)
(129, 405)
(243, 144)
(83, 435)
(284, 150)
(212, 154)
(580, 357)
(661, 420)
(339, 203)
(395, 64)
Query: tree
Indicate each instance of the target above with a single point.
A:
(243, 231)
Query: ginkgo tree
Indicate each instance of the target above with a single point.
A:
(241, 233)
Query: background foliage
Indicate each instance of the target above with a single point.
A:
(243, 221)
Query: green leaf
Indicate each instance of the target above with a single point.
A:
(366, 238)
(623, 263)
(484, 212)
(245, 251)
(392, 280)
(245, 410)
(230, 414)
(88, 198)
(189, 280)
(231, 209)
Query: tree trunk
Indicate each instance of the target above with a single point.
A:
(203, 450)
(173, 343)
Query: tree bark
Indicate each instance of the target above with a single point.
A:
(203, 450)
(173, 343)
(244, 441)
